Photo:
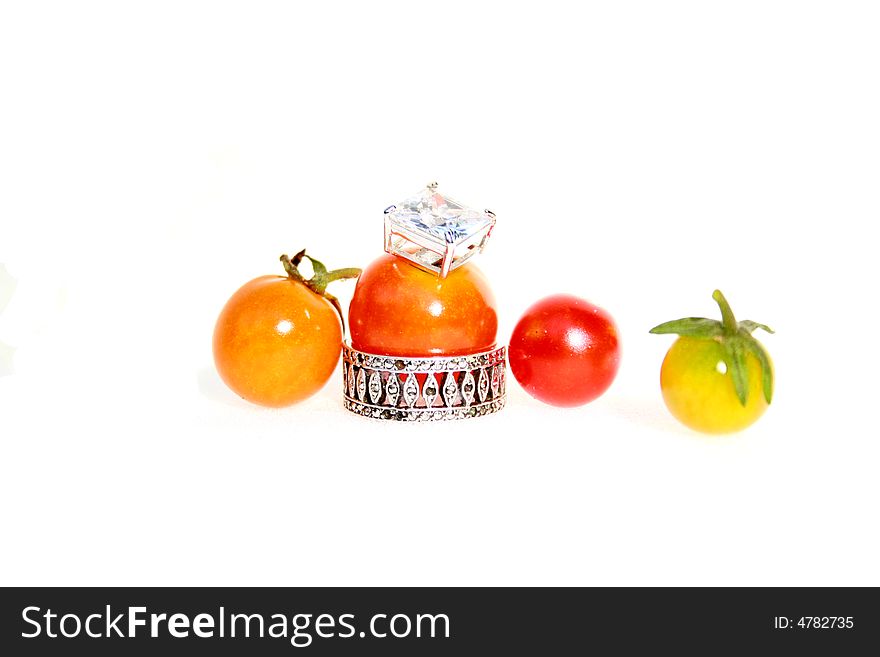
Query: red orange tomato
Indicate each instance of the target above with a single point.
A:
(399, 309)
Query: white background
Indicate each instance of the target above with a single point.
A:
(154, 156)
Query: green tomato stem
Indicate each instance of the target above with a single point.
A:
(341, 274)
(728, 321)
(320, 278)
(290, 266)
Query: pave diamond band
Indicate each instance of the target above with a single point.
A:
(424, 389)
(422, 415)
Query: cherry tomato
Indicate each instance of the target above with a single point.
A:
(399, 309)
(278, 339)
(716, 377)
(565, 351)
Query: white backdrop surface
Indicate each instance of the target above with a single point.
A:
(155, 156)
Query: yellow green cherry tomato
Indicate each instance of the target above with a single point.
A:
(716, 378)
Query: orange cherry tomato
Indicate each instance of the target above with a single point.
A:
(399, 309)
(277, 340)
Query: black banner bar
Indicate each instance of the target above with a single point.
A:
(444, 621)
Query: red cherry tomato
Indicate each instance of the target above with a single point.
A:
(565, 351)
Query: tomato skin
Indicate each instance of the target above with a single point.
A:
(704, 398)
(565, 351)
(276, 342)
(398, 309)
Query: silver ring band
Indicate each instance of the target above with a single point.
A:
(424, 389)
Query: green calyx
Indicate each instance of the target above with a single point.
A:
(737, 340)
(320, 279)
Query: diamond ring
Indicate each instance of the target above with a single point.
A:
(434, 232)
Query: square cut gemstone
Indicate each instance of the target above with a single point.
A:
(435, 232)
